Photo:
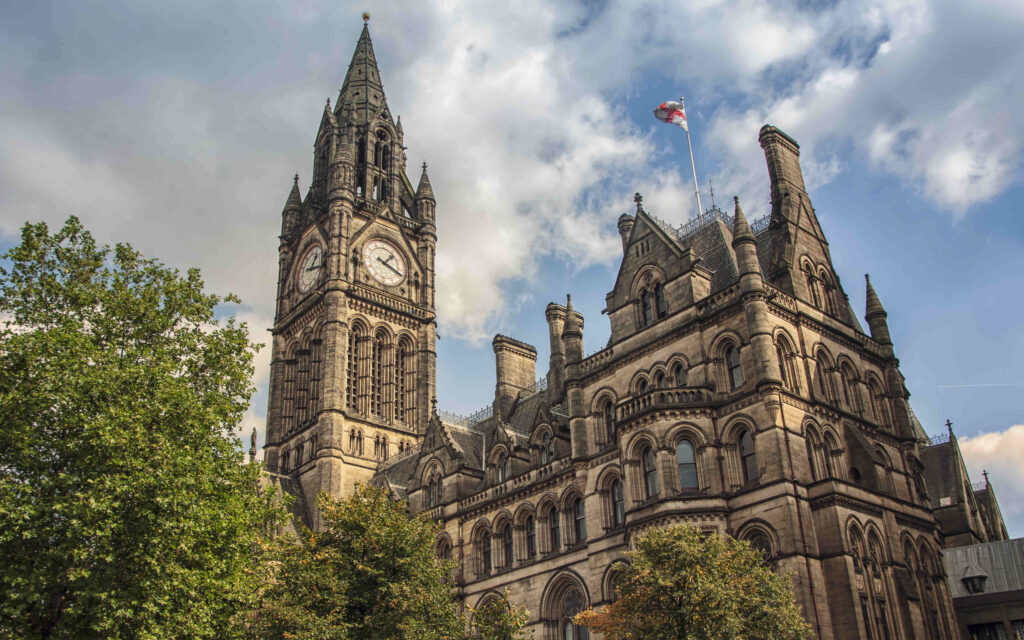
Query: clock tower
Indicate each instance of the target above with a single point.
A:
(353, 363)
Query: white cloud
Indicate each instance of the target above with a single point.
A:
(999, 453)
(183, 142)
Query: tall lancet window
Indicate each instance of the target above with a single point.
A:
(400, 373)
(353, 373)
(316, 348)
(377, 375)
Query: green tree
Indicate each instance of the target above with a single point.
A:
(126, 509)
(683, 584)
(369, 573)
(498, 619)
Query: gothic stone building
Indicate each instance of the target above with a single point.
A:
(738, 393)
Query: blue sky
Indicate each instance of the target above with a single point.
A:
(177, 128)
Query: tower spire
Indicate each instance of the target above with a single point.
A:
(362, 89)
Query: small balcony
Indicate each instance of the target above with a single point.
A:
(658, 399)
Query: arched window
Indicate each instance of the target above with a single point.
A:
(812, 288)
(545, 446)
(361, 146)
(618, 504)
(821, 371)
(831, 307)
(316, 355)
(401, 369)
(353, 376)
(580, 519)
(659, 380)
(811, 441)
(377, 156)
(531, 538)
(352, 441)
(762, 545)
(377, 375)
(679, 375)
(641, 387)
(506, 543)
(649, 468)
(786, 371)
(748, 457)
(444, 550)
(828, 451)
(732, 364)
(384, 447)
(485, 553)
(661, 310)
(501, 468)
(687, 465)
(572, 603)
(554, 529)
(376, 446)
(645, 308)
(879, 406)
(434, 490)
(359, 442)
(850, 396)
(608, 413)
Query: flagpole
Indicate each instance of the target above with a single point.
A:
(696, 189)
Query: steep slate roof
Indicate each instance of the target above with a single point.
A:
(397, 472)
(939, 472)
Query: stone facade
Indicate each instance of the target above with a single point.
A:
(738, 393)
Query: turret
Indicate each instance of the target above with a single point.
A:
(744, 243)
(876, 316)
(555, 314)
(292, 214)
(424, 200)
(626, 223)
(572, 335)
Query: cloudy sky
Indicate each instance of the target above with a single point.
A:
(177, 127)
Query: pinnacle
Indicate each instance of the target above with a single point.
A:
(424, 190)
(740, 228)
(874, 305)
(294, 197)
(572, 324)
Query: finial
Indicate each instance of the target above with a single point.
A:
(296, 178)
(433, 404)
(985, 473)
(424, 166)
(711, 188)
(639, 200)
(568, 300)
(328, 102)
(949, 427)
(366, 17)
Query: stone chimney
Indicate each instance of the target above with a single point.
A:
(626, 223)
(516, 365)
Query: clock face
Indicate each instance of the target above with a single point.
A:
(384, 262)
(310, 267)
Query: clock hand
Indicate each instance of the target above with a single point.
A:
(383, 262)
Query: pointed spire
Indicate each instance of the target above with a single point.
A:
(398, 126)
(294, 201)
(740, 229)
(874, 305)
(572, 323)
(424, 191)
(362, 88)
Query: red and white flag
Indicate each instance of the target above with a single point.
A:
(672, 112)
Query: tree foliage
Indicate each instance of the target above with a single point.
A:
(499, 619)
(369, 573)
(683, 584)
(126, 509)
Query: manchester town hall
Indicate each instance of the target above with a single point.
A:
(738, 393)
